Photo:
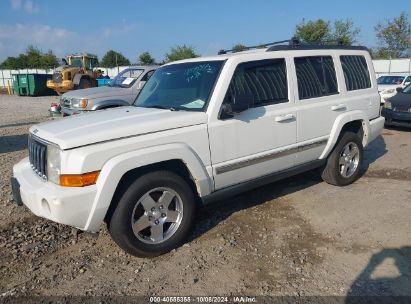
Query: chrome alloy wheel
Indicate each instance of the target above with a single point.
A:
(349, 159)
(157, 215)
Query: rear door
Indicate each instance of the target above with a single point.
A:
(318, 104)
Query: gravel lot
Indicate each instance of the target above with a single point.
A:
(299, 236)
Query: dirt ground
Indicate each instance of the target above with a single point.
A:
(299, 236)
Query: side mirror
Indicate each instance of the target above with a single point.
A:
(399, 90)
(140, 85)
(238, 104)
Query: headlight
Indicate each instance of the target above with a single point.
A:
(389, 91)
(53, 164)
(387, 105)
(79, 103)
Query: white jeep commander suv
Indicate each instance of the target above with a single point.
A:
(201, 129)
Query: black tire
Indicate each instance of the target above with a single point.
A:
(332, 170)
(84, 84)
(120, 223)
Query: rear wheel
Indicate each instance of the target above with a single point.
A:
(84, 83)
(344, 162)
(154, 215)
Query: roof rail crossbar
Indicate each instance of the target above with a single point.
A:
(325, 44)
(292, 42)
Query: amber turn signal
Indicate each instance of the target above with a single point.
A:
(79, 180)
(83, 103)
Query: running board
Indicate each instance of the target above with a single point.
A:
(260, 181)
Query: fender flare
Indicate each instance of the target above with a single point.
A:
(339, 123)
(115, 168)
(77, 78)
(109, 103)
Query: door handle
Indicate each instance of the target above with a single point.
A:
(338, 107)
(285, 117)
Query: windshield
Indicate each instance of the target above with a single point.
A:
(76, 62)
(184, 86)
(126, 78)
(407, 89)
(390, 80)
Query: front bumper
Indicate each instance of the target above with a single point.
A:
(64, 86)
(69, 111)
(399, 119)
(66, 205)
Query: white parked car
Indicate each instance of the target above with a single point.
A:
(388, 84)
(200, 130)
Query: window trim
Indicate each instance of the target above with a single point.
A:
(343, 74)
(266, 104)
(338, 92)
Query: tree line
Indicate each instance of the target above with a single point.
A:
(394, 38)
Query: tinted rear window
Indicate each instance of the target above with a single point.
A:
(315, 76)
(356, 74)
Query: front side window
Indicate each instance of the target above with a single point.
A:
(183, 86)
(407, 89)
(315, 76)
(264, 81)
(356, 72)
(126, 78)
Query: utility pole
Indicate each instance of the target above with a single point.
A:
(118, 70)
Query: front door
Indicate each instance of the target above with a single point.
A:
(257, 141)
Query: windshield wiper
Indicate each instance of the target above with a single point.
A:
(162, 107)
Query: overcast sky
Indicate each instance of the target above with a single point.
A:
(133, 27)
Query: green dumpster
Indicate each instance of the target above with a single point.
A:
(32, 85)
(16, 84)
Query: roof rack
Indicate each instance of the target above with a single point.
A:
(295, 44)
(291, 41)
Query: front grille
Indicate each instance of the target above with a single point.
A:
(57, 77)
(402, 109)
(38, 157)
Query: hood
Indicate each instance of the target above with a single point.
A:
(401, 99)
(383, 87)
(99, 126)
(99, 92)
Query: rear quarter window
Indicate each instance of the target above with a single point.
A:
(356, 73)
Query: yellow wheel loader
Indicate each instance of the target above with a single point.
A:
(76, 72)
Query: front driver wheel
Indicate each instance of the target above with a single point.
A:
(154, 215)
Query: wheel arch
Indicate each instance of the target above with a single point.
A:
(176, 166)
(121, 170)
(356, 122)
(77, 78)
(111, 103)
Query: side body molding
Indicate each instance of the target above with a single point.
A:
(339, 124)
(117, 166)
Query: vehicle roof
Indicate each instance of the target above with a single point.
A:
(144, 67)
(277, 50)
